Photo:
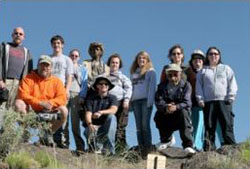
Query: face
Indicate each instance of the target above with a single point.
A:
(174, 77)
(197, 63)
(18, 36)
(74, 56)
(102, 86)
(213, 57)
(96, 52)
(57, 46)
(142, 60)
(177, 56)
(114, 64)
(44, 70)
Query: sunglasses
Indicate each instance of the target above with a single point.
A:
(211, 54)
(177, 53)
(106, 84)
(172, 75)
(18, 33)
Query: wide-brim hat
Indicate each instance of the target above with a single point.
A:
(173, 67)
(100, 78)
(95, 44)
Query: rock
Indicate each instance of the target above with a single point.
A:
(4, 165)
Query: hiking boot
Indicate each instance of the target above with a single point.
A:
(162, 146)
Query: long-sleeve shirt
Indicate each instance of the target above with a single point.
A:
(33, 89)
(144, 86)
(180, 95)
(216, 84)
(123, 86)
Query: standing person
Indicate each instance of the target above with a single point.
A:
(123, 92)
(15, 63)
(216, 89)
(63, 69)
(173, 103)
(143, 79)
(43, 92)
(196, 64)
(78, 92)
(175, 55)
(95, 65)
(100, 117)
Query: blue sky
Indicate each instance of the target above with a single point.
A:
(129, 27)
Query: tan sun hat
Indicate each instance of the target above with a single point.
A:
(45, 59)
(173, 67)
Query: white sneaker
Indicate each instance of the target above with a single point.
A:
(162, 146)
(190, 150)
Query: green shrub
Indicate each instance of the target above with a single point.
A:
(245, 153)
(46, 160)
(21, 160)
(16, 130)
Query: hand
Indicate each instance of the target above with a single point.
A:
(91, 127)
(171, 108)
(229, 101)
(46, 105)
(97, 115)
(201, 104)
(125, 106)
(2, 84)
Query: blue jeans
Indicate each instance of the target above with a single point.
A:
(142, 119)
(105, 135)
(73, 108)
(198, 124)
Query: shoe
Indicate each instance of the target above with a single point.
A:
(162, 146)
(189, 150)
(77, 153)
(98, 151)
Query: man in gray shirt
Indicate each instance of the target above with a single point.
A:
(63, 69)
(15, 63)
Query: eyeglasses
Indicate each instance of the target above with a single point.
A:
(172, 75)
(106, 84)
(177, 53)
(211, 54)
(18, 33)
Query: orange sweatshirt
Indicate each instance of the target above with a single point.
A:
(33, 89)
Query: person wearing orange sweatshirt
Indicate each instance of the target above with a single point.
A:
(43, 92)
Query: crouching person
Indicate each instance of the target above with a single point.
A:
(43, 92)
(100, 118)
(173, 103)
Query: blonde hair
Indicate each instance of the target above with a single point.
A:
(146, 67)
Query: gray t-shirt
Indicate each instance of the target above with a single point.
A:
(16, 62)
(62, 67)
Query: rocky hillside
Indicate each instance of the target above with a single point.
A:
(236, 156)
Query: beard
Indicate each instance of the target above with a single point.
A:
(44, 74)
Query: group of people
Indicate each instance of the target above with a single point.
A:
(196, 99)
